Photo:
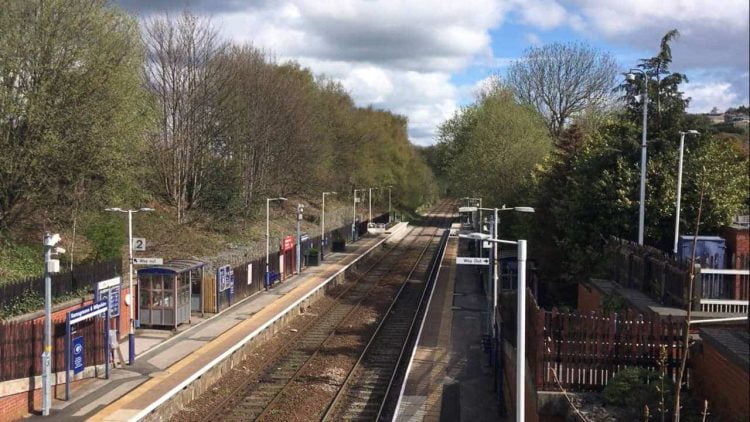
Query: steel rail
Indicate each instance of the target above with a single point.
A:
(235, 395)
(332, 407)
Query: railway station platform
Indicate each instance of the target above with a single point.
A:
(449, 377)
(172, 366)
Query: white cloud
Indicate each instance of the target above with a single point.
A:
(705, 96)
(532, 39)
(400, 55)
(543, 14)
(390, 54)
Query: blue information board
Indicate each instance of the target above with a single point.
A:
(114, 301)
(77, 357)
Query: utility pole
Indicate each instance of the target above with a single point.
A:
(50, 266)
(299, 238)
(132, 304)
(642, 207)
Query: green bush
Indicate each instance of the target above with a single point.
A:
(632, 388)
(106, 236)
(312, 252)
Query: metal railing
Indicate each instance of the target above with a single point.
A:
(724, 306)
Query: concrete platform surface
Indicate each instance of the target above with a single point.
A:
(166, 360)
(450, 378)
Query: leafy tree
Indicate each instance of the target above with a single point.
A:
(106, 236)
(71, 108)
(490, 148)
(663, 85)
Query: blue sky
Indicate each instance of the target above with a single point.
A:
(425, 58)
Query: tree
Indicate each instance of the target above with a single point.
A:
(491, 147)
(185, 78)
(70, 105)
(562, 80)
(663, 90)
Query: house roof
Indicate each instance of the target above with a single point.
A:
(734, 344)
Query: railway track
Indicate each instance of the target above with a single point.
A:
(257, 400)
(368, 385)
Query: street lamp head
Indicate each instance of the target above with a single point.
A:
(693, 132)
(475, 236)
(113, 209)
(281, 198)
(630, 77)
(146, 209)
(524, 209)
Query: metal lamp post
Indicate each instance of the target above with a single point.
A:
(370, 205)
(132, 304)
(642, 207)
(389, 204)
(354, 214)
(323, 224)
(496, 234)
(268, 236)
(50, 266)
(679, 186)
(479, 208)
(520, 319)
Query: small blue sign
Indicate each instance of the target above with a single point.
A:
(114, 301)
(77, 358)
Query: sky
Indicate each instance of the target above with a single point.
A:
(426, 58)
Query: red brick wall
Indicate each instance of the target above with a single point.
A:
(509, 388)
(723, 383)
(738, 240)
(18, 406)
(589, 298)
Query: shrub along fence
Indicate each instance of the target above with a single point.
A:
(22, 343)
(14, 295)
(582, 352)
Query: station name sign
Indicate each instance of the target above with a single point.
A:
(88, 311)
(469, 260)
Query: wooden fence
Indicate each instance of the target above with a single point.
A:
(82, 276)
(582, 352)
(22, 342)
(666, 279)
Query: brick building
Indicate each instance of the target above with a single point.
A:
(720, 372)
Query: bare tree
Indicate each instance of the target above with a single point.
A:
(182, 73)
(561, 80)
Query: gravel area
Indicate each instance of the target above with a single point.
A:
(250, 367)
(315, 387)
